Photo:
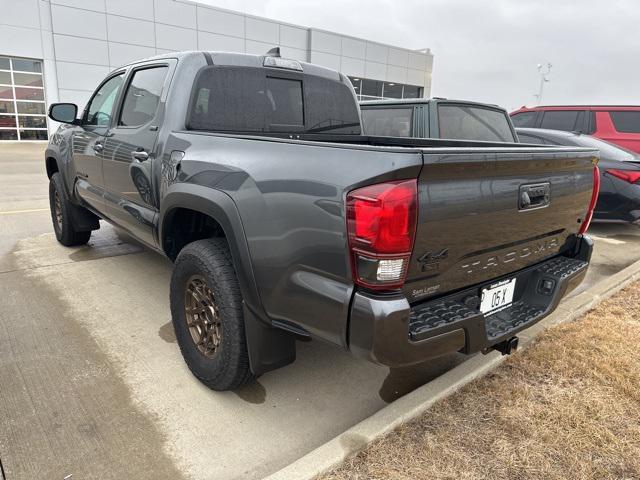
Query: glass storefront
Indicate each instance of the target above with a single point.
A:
(376, 90)
(22, 102)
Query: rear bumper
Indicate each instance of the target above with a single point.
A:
(388, 331)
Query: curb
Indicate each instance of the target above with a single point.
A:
(356, 438)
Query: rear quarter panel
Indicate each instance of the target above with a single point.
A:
(290, 197)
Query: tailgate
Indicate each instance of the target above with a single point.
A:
(485, 214)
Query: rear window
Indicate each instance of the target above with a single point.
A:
(474, 123)
(608, 151)
(560, 120)
(626, 122)
(245, 99)
(524, 119)
(388, 122)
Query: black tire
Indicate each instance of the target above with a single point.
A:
(227, 366)
(61, 207)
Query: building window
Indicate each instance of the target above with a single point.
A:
(22, 102)
(367, 89)
(372, 88)
(392, 90)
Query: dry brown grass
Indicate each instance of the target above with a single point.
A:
(568, 407)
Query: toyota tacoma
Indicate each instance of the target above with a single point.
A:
(285, 222)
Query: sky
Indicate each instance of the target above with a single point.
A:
(489, 50)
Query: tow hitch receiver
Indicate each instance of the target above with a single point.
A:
(507, 347)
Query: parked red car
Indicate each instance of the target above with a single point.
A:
(615, 124)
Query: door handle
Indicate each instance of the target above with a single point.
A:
(140, 155)
(97, 147)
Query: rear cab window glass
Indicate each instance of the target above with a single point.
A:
(143, 96)
(254, 100)
(388, 122)
(524, 119)
(626, 121)
(284, 102)
(560, 120)
(462, 122)
(330, 107)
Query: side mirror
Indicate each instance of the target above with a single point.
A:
(63, 112)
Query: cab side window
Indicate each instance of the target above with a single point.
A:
(143, 96)
(100, 107)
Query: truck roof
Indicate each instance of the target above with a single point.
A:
(240, 60)
(422, 101)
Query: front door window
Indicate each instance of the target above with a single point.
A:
(100, 107)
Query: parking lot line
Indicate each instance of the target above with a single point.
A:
(31, 210)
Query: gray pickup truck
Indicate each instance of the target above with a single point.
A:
(437, 118)
(286, 223)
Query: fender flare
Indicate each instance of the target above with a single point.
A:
(269, 348)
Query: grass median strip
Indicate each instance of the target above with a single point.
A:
(567, 407)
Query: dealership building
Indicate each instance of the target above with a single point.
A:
(59, 50)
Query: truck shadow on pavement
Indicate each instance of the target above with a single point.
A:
(401, 381)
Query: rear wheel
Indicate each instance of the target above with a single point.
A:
(66, 230)
(206, 309)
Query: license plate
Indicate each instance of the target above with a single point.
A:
(498, 296)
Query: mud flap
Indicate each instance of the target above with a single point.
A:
(269, 348)
(83, 219)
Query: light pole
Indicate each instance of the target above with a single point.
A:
(544, 71)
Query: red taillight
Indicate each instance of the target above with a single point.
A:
(630, 176)
(381, 224)
(592, 204)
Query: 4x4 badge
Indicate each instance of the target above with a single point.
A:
(431, 260)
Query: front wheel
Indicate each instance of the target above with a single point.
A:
(206, 309)
(61, 207)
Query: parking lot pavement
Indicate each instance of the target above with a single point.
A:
(92, 379)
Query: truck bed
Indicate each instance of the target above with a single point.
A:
(470, 228)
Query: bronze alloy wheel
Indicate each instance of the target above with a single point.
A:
(202, 315)
(57, 205)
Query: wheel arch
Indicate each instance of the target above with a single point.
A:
(269, 348)
(220, 208)
(51, 164)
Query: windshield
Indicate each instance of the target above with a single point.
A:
(387, 122)
(462, 122)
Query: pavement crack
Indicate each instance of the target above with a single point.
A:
(48, 265)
